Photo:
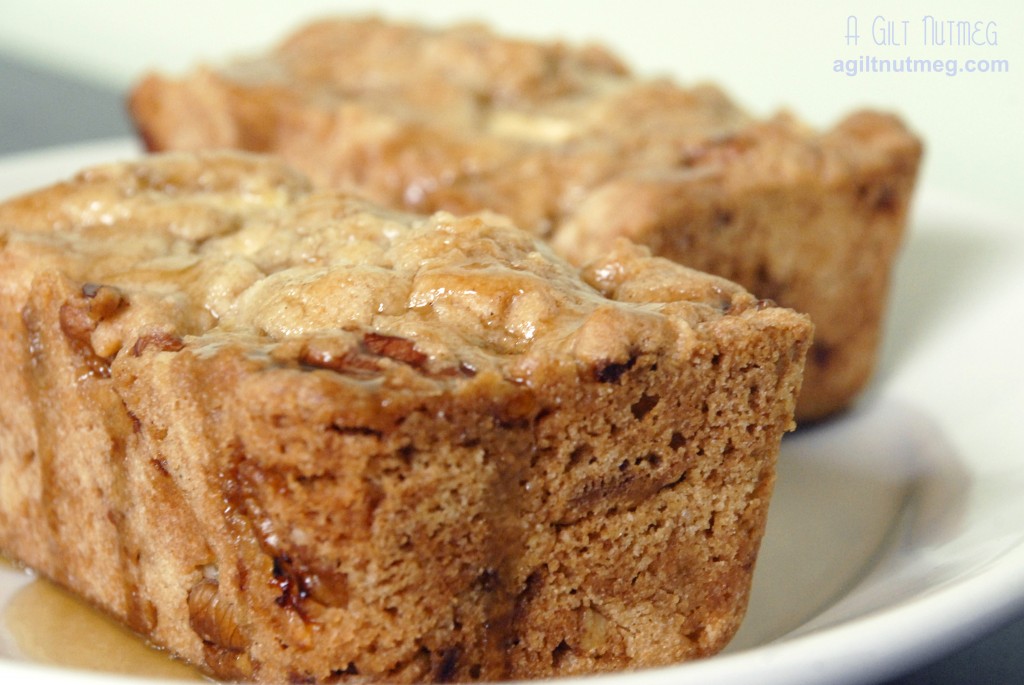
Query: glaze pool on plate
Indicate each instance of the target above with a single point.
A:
(45, 624)
(895, 531)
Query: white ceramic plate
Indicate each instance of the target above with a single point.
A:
(897, 531)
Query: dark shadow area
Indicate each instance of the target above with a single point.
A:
(46, 108)
(994, 660)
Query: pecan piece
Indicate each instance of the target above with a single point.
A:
(160, 340)
(390, 346)
(80, 316)
(211, 619)
(349, 361)
(722, 149)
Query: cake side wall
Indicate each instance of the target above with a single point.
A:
(87, 506)
(497, 530)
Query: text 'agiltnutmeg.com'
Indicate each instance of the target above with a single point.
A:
(925, 44)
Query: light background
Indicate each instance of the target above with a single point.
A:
(767, 55)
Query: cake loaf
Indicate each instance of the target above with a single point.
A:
(290, 436)
(572, 145)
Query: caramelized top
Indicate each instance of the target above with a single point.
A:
(229, 247)
(553, 135)
(456, 118)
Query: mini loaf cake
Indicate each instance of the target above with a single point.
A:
(570, 144)
(293, 437)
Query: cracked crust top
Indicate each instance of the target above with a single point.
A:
(229, 245)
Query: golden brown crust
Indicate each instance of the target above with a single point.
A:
(328, 441)
(567, 142)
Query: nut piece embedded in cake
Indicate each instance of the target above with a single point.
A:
(328, 441)
(571, 145)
